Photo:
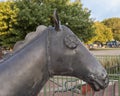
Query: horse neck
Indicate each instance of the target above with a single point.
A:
(25, 73)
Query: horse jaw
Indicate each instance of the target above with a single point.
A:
(87, 68)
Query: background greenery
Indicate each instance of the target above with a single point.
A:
(114, 24)
(19, 17)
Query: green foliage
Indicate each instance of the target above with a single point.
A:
(32, 13)
(35, 12)
(39, 12)
(103, 33)
(8, 14)
(77, 18)
(73, 15)
(114, 24)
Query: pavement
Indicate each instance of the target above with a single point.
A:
(106, 52)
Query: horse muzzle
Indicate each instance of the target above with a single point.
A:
(98, 82)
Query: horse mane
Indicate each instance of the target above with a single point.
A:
(32, 35)
(29, 37)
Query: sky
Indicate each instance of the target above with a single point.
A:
(102, 9)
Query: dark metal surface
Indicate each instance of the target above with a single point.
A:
(54, 51)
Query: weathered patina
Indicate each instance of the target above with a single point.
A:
(47, 52)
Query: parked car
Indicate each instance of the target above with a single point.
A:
(113, 44)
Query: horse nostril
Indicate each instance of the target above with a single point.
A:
(106, 81)
(103, 75)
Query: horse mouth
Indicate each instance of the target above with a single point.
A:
(97, 87)
(97, 84)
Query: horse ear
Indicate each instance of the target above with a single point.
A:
(56, 20)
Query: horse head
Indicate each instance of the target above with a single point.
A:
(68, 56)
(48, 52)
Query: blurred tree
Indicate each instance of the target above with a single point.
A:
(8, 14)
(114, 24)
(103, 33)
(31, 15)
(39, 12)
(35, 12)
(75, 17)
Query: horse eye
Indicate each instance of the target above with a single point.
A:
(71, 41)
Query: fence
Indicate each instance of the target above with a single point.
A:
(71, 86)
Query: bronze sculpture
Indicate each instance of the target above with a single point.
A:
(45, 53)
